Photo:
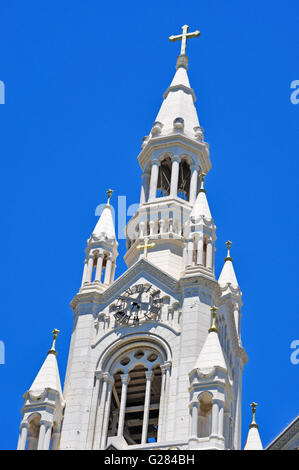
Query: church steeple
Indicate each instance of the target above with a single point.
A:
(173, 156)
(101, 251)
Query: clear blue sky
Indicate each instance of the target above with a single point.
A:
(84, 81)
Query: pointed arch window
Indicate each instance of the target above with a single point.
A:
(164, 178)
(184, 180)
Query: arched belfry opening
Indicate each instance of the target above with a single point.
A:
(205, 414)
(164, 177)
(141, 371)
(132, 394)
(33, 432)
(184, 180)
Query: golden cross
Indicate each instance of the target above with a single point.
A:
(145, 246)
(183, 37)
(214, 314)
(228, 245)
(55, 334)
(253, 407)
(109, 194)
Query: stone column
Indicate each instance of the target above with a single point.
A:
(89, 268)
(200, 250)
(108, 269)
(147, 401)
(122, 411)
(193, 183)
(84, 272)
(98, 274)
(194, 419)
(144, 187)
(47, 439)
(107, 413)
(41, 436)
(166, 366)
(237, 316)
(23, 436)
(94, 409)
(210, 254)
(161, 406)
(154, 180)
(190, 252)
(226, 428)
(175, 168)
(100, 413)
(215, 413)
(113, 271)
(221, 420)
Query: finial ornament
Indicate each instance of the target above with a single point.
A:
(109, 194)
(183, 37)
(55, 334)
(228, 245)
(145, 246)
(253, 408)
(214, 315)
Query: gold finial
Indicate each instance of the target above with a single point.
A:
(253, 408)
(183, 37)
(109, 194)
(145, 246)
(214, 315)
(52, 350)
(228, 257)
(202, 183)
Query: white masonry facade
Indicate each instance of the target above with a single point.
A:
(152, 363)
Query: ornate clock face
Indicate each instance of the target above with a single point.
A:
(141, 302)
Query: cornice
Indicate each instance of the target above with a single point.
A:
(198, 147)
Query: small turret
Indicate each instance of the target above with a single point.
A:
(43, 407)
(101, 251)
(253, 441)
(227, 277)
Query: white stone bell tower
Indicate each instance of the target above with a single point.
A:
(156, 358)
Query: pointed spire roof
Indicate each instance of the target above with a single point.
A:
(211, 354)
(228, 273)
(179, 99)
(48, 375)
(105, 225)
(201, 205)
(253, 441)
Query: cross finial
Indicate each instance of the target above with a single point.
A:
(55, 334)
(109, 194)
(183, 37)
(253, 408)
(228, 245)
(145, 246)
(214, 315)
